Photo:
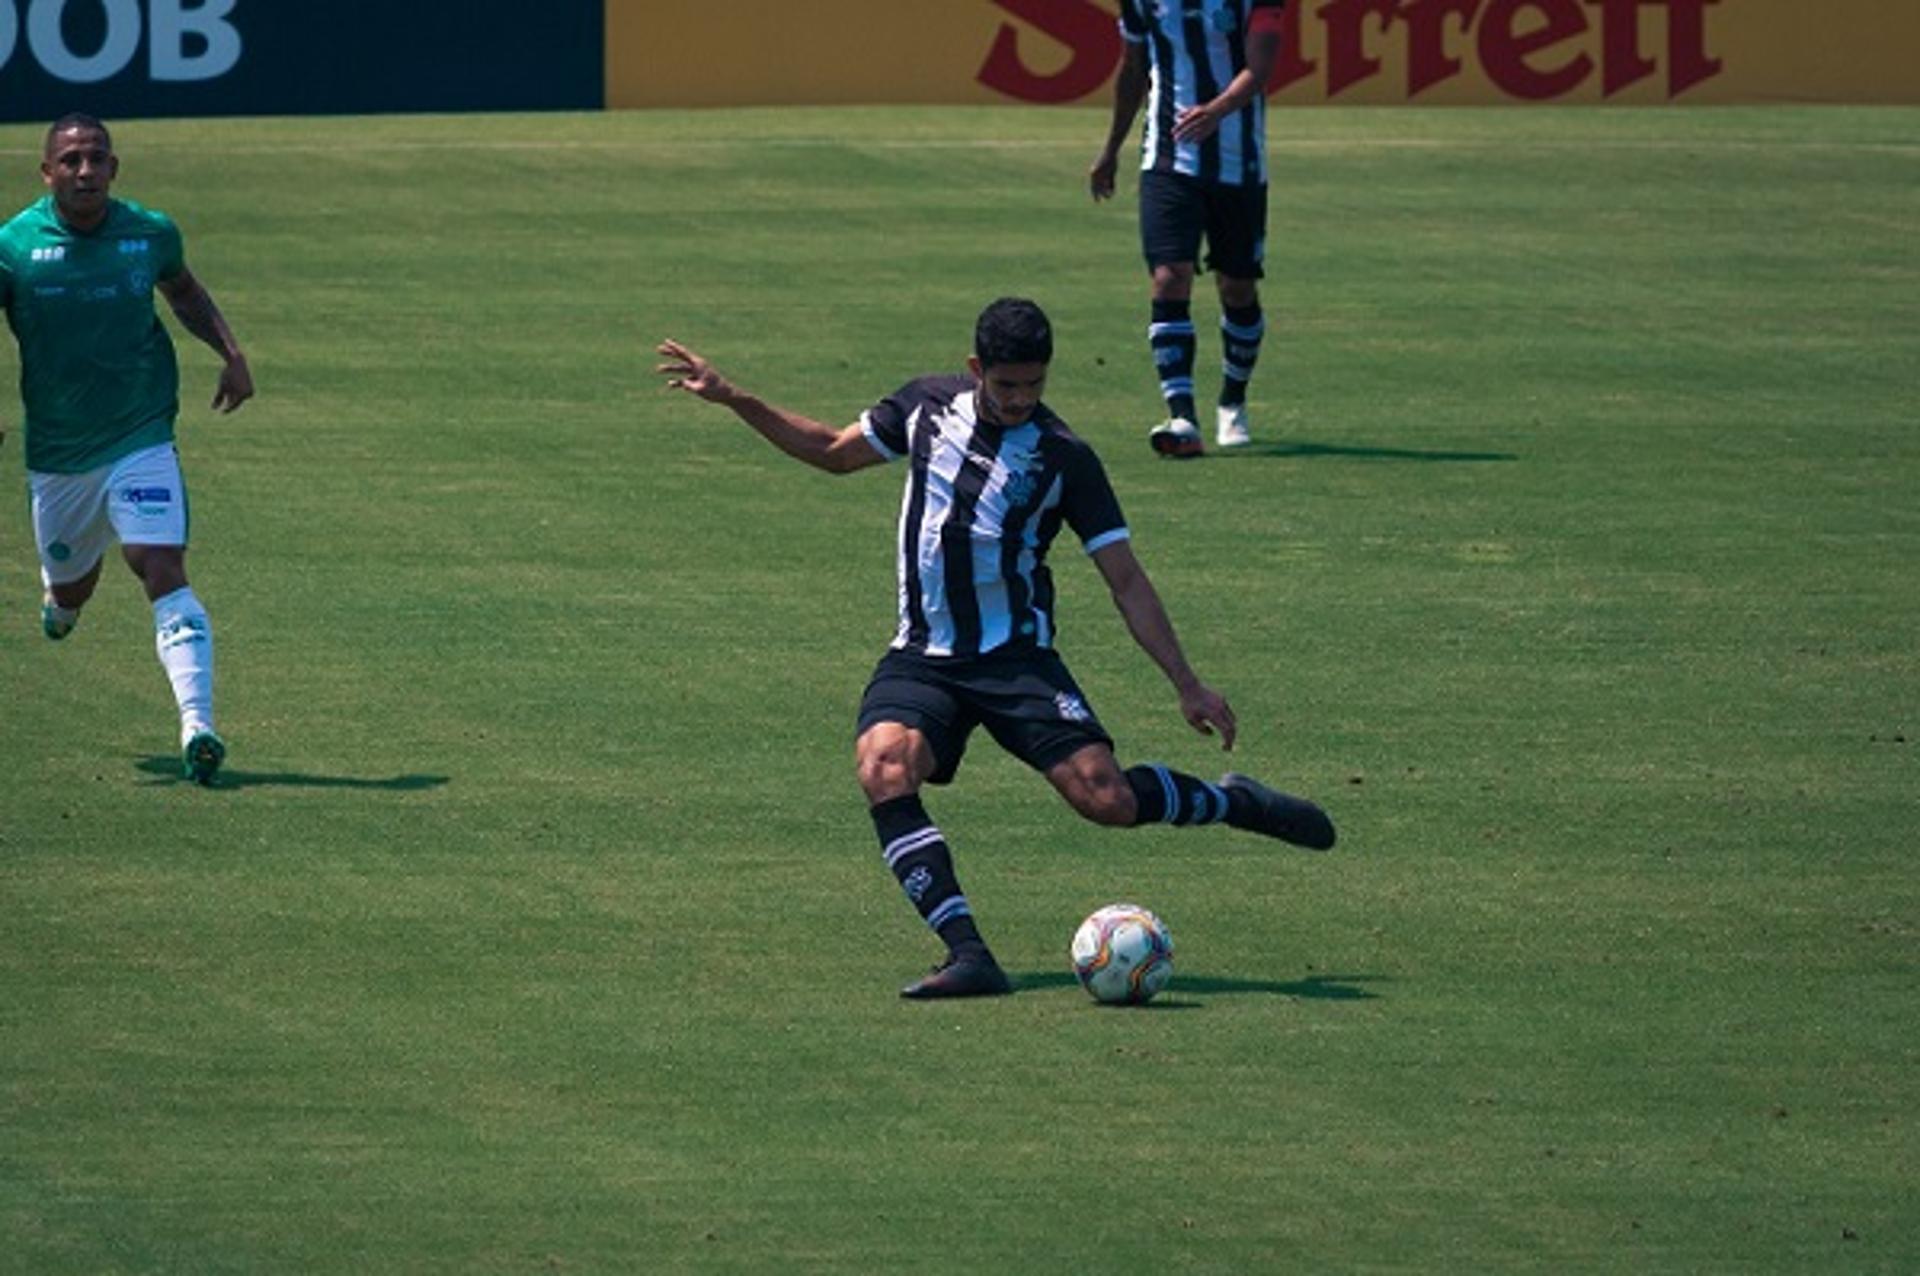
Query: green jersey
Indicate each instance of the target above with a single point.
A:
(98, 374)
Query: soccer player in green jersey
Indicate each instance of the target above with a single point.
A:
(100, 384)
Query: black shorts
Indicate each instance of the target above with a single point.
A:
(1026, 700)
(1177, 210)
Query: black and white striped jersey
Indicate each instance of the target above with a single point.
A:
(1194, 49)
(982, 504)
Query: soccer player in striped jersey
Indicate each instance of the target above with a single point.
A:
(1201, 67)
(100, 383)
(992, 475)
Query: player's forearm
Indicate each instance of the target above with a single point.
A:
(198, 314)
(1152, 629)
(1263, 50)
(802, 438)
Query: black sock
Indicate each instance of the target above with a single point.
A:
(1171, 336)
(1241, 328)
(1174, 797)
(916, 852)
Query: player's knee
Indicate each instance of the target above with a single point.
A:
(1172, 282)
(884, 770)
(1239, 293)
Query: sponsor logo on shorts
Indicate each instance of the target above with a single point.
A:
(147, 501)
(1071, 707)
(59, 551)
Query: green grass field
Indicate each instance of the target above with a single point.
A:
(538, 925)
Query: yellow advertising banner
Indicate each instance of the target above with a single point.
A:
(1398, 52)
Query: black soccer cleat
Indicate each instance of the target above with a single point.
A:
(1281, 815)
(971, 976)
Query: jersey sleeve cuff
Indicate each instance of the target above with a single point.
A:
(1105, 539)
(873, 437)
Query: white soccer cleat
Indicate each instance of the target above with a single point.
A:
(1176, 437)
(1232, 431)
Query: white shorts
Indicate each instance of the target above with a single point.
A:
(140, 499)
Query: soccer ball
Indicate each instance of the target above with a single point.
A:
(1123, 954)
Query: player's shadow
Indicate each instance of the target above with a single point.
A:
(1283, 448)
(166, 770)
(1312, 988)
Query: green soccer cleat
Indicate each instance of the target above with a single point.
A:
(201, 757)
(51, 622)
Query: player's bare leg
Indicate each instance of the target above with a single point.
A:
(1094, 785)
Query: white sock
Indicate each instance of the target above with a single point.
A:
(183, 637)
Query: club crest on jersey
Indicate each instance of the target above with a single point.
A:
(1022, 464)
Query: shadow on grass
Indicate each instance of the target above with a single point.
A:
(1365, 453)
(166, 770)
(1312, 988)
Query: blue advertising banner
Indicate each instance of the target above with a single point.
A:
(125, 59)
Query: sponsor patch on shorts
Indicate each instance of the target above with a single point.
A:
(147, 500)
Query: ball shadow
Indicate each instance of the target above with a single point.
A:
(1311, 988)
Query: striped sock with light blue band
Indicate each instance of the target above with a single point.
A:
(1241, 330)
(1172, 337)
(916, 852)
(1165, 796)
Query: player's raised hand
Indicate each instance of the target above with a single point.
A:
(1208, 712)
(687, 370)
(236, 385)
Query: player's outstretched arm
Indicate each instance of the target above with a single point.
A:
(193, 306)
(803, 438)
(1205, 709)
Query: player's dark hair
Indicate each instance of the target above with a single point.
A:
(1012, 330)
(77, 120)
